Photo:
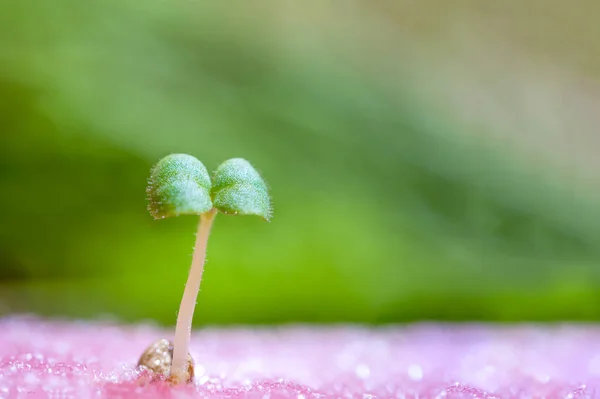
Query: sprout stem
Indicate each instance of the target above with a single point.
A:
(188, 302)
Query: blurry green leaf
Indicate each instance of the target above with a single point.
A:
(239, 189)
(179, 184)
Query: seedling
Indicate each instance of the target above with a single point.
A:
(179, 184)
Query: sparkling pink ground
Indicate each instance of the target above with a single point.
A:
(45, 359)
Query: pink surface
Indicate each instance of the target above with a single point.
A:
(44, 359)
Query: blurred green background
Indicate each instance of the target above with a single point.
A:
(427, 160)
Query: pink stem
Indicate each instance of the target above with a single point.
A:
(183, 328)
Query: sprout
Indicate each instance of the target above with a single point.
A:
(179, 184)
